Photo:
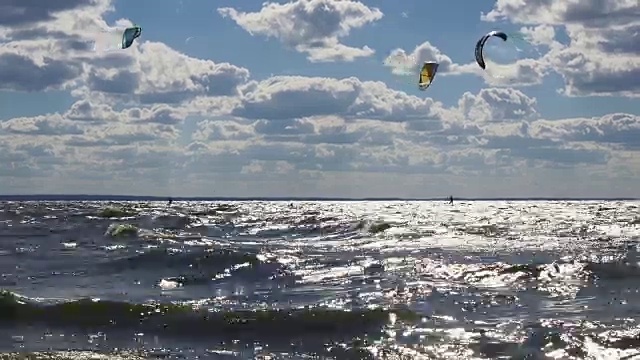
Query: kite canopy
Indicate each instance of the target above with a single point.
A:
(480, 46)
(129, 35)
(427, 73)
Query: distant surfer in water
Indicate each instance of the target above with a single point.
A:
(450, 199)
(170, 202)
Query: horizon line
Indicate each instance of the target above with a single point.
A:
(113, 197)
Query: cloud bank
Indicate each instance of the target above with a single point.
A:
(154, 121)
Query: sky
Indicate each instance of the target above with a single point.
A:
(320, 98)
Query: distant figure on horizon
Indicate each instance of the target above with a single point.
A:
(170, 202)
(450, 199)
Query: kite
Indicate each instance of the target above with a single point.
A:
(129, 35)
(115, 39)
(427, 73)
(480, 46)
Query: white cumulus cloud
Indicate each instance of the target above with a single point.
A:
(314, 27)
(152, 120)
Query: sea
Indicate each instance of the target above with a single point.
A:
(319, 279)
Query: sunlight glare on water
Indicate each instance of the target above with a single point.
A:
(382, 280)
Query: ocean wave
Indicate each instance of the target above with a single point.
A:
(76, 355)
(167, 258)
(475, 279)
(189, 321)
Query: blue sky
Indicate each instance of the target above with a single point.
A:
(298, 98)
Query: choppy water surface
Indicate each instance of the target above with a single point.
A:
(345, 280)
